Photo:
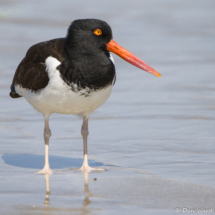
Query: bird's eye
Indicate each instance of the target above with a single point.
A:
(98, 32)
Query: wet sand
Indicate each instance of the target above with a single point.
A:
(154, 136)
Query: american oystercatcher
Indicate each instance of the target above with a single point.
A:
(72, 75)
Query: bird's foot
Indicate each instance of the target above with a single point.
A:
(45, 171)
(88, 168)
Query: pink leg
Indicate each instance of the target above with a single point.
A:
(47, 134)
(85, 133)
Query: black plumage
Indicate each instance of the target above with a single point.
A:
(83, 56)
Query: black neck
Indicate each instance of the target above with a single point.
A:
(86, 66)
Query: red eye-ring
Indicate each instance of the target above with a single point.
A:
(98, 32)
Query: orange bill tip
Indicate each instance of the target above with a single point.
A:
(154, 72)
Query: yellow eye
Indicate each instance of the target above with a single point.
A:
(98, 32)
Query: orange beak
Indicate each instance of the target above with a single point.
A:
(112, 46)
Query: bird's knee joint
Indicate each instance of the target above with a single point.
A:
(47, 134)
(84, 132)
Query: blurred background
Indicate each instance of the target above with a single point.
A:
(155, 136)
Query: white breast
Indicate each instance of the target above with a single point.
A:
(57, 96)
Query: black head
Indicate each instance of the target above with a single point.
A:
(81, 34)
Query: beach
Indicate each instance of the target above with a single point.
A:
(154, 136)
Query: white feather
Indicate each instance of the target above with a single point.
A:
(111, 58)
(57, 96)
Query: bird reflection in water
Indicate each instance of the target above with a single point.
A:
(86, 201)
(87, 192)
(47, 176)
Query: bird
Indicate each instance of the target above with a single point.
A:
(71, 75)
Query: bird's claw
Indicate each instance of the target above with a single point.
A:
(45, 171)
(88, 169)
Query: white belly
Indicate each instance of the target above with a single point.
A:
(57, 96)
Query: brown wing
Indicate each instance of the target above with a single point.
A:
(31, 73)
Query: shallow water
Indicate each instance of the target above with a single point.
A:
(154, 136)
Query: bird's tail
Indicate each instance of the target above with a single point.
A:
(13, 93)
